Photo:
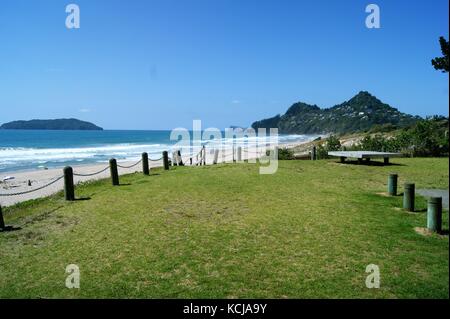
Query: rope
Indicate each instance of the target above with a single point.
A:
(34, 190)
(130, 165)
(188, 158)
(91, 174)
(155, 160)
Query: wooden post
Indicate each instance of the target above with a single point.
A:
(3, 227)
(386, 160)
(216, 156)
(239, 154)
(204, 155)
(190, 161)
(408, 197)
(392, 184)
(69, 189)
(166, 160)
(145, 168)
(180, 159)
(314, 153)
(342, 159)
(2, 221)
(114, 173)
(434, 214)
(234, 154)
(174, 159)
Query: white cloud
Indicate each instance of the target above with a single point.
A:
(84, 110)
(235, 102)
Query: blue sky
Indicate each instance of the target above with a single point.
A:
(161, 64)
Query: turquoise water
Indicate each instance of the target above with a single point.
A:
(34, 149)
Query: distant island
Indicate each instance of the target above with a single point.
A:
(360, 113)
(57, 124)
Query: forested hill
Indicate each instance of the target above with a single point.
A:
(58, 124)
(360, 113)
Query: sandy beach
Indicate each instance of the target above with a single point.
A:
(41, 177)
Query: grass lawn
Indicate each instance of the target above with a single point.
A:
(224, 231)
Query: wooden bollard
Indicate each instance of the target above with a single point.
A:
(166, 160)
(392, 184)
(239, 154)
(216, 156)
(190, 161)
(180, 159)
(174, 159)
(234, 154)
(204, 155)
(114, 173)
(69, 189)
(434, 214)
(2, 221)
(408, 197)
(145, 168)
(314, 153)
(3, 227)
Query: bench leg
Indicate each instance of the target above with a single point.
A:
(386, 160)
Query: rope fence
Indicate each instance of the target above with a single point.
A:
(91, 174)
(33, 190)
(131, 166)
(68, 176)
(194, 159)
(434, 204)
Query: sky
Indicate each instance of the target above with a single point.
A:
(159, 64)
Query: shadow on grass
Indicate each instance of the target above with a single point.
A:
(82, 198)
(9, 228)
(369, 163)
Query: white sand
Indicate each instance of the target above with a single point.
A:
(42, 177)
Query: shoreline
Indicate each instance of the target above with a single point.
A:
(41, 177)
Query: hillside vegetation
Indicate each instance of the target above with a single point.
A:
(360, 113)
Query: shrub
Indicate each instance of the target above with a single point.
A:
(284, 154)
(332, 143)
(428, 137)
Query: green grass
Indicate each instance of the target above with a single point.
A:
(224, 231)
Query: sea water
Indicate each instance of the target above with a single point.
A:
(40, 149)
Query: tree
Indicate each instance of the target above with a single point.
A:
(441, 63)
(333, 143)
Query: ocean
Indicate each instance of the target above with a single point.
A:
(39, 149)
